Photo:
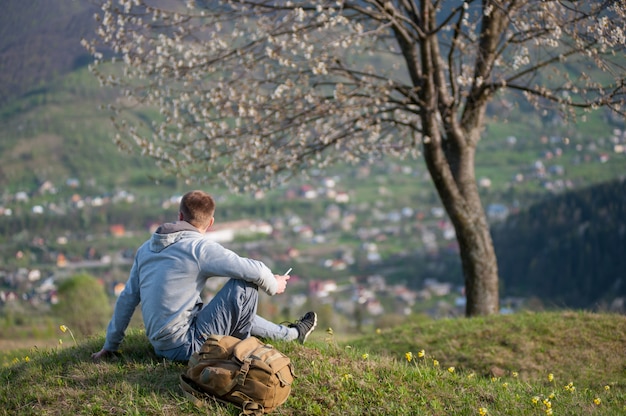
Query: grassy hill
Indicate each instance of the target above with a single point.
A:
(562, 363)
(59, 132)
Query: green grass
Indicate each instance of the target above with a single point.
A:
(499, 365)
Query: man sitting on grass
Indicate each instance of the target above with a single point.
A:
(168, 275)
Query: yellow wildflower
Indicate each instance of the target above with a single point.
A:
(450, 370)
(549, 411)
(515, 374)
(64, 329)
(597, 401)
(482, 411)
(435, 363)
(505, 385)
(421, 354)
(547, 403)
(550, 377)
(26, 359)
(378, 330)
(535, 399)
(365, 356)
(408, 356)
(607, 387)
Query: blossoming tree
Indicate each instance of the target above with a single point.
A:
(252, 90)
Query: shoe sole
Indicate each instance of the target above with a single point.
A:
(310, 330)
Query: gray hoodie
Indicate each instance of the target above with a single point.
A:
(167, 277)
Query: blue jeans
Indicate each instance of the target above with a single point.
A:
(231, 312)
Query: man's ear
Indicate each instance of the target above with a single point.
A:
(180, 216)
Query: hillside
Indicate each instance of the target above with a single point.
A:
(54, 134)
(58, 132)
(568, 250)
(52, 128)
(566, 363)
(52, 125)
(40, 41)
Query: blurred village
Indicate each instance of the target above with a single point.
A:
(361, 295)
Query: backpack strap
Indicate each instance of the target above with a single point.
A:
(190, 392)
(248, 406)
(242, 374)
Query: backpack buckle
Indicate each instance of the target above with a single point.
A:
(243, 372)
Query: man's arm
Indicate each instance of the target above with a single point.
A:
(124, 309)
(224, 262)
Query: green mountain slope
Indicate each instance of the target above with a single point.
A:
(59, 132)
(51, 127)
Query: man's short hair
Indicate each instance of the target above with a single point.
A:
(197, 208)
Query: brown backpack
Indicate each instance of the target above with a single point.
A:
(252, 375)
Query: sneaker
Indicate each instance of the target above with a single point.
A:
(305, 326)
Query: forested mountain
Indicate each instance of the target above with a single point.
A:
(569, 250)
(51, 125)
(40, 40)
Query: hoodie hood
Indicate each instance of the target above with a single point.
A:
(169, 233)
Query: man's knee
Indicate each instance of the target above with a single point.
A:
(244, 292)
(238, 284)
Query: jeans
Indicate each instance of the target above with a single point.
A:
(231, 312)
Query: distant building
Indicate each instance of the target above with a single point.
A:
(497, 211)
(227, 231)
(117, 230)
(437, 288)
(308, 192)
(342, 197)
(322, 288)
(21, 196)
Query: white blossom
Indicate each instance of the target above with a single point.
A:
(307, 74)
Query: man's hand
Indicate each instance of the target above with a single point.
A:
(97, 356)
(282, 282)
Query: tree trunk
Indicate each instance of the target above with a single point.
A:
(478, 259)
(453, 174)
(449, 147)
